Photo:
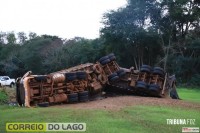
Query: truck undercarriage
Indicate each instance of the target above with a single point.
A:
(87, 81)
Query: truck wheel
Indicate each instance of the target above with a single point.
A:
(112, 75)
(84, 93)
(73, 95)
(43, 104)
(103, 58)
(84, 98)
(141, 84)
(158, 71)
(70, 76)
(114, 78)
(145, 68)
(72, 98)
(112, 58)
(121, 72)
(104, 62)
(111, 54)
(81, 75)
(154, 87)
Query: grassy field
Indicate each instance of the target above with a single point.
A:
(189, 94)
(138, 119)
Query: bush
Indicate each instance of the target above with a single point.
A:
(195, 80)
(3, 97)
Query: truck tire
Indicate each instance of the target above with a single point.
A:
(73, 100)
(84, 98)
(112, 75)
(158, 71)
(70, 76)
(81, 75)
(121, 72)
(154, 87)
(73, 97)
(115, 78)
(104, 62)
(43, 104)
(112, 58)
(141, 84)
(84, 93)
(103, 58)
(111, 55)
(145, 68)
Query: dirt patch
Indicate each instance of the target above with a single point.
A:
(119, 102)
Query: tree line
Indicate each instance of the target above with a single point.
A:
(158, 33)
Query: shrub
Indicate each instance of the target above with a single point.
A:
(195, 80)
(3, 97)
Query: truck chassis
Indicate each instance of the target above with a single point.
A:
(86, 81)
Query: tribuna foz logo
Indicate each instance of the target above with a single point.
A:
(181, 121)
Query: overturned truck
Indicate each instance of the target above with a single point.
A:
(87, 81)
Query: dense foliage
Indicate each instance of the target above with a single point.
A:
(159, 33)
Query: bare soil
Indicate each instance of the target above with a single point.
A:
(119, 102)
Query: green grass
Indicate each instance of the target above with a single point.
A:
(135, 119)
(192, 95)
(139, 119)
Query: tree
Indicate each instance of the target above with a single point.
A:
(125, 30)
(22, 37)
(2, 37)
(164, 33)
(11, 38)
(32, 35)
